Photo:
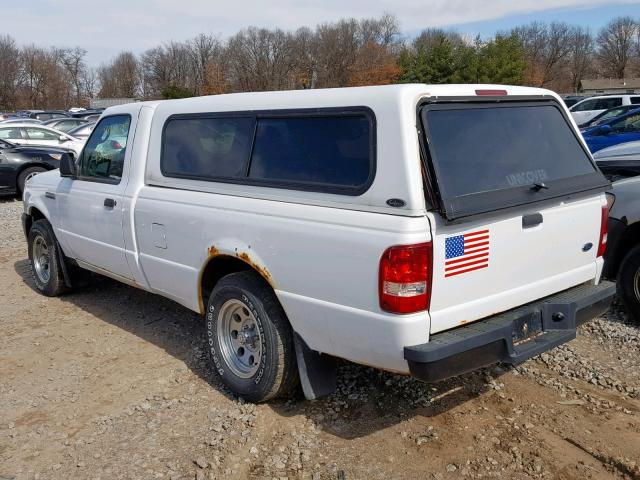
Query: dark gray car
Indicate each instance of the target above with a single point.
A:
(65, 124)
(622, 257)
(83, 131)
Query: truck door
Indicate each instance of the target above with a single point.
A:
(91, 205)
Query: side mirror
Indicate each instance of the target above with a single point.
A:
(67, 166)
(62, 138)
(604, 130)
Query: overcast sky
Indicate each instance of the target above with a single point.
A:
(106, 27)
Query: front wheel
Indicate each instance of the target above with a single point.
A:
(250, 339)
(629, 282)
(45, 258)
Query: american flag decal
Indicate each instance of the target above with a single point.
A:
(466, 253)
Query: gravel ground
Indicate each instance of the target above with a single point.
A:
(112, 382)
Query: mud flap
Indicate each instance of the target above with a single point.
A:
(317, 371)
(73, 275)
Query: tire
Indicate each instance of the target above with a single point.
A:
(45, 259)
(629, 282)
(267, 367)
(26, 174)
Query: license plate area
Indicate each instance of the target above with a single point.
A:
(527, 327)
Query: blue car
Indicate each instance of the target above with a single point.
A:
(622, 129)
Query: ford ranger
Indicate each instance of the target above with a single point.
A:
(422, 229)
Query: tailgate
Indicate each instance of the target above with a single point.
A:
(520, 205)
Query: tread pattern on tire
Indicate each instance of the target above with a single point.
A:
(628, 267)
(56, 285)
(286, 378)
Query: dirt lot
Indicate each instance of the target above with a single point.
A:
(112, 382)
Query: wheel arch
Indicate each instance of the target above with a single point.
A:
(33, 215)
(219, 265)
(629, 239)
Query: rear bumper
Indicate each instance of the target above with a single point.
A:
(494, 339)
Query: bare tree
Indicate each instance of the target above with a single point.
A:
(89, 81)
(383, 31)
(33, 78)
(260, 59)
(205, 52)
(616, 45)
(73, 62)
(546, 47)
(580, 56)
(9, 72)
(335, 49)
(170, 65)
(120, 78)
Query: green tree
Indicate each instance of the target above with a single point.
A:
(501, 60)
(176, 91)
(437, 56)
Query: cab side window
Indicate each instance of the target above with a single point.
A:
(103, 156)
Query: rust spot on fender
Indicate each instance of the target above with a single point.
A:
(213, 251)
(259, 268)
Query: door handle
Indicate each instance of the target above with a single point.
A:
(531, 220)
(50, 195)
(109, 202)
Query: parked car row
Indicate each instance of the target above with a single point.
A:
(32, 141)
(18, 163)
(46, 115)
(30, 134)
(588, 108)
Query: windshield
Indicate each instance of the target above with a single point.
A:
(512, 149)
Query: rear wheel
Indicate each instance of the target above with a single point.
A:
(27, 174)
(629, 282)
(250, 339)
(44, 255)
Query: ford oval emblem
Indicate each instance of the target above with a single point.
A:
(587, 247)
(396, 202)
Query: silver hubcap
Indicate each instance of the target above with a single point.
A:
(30, 176)
(239, 337)
(636, 284)
(41, 259)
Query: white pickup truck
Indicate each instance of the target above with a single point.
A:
(422, 229)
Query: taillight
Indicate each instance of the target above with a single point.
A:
(405, 278)
(604, 225)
